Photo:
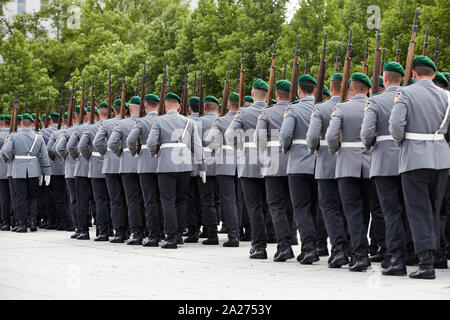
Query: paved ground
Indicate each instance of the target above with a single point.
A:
(49, 265)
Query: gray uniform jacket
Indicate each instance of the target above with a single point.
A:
(205, 123)
(385, 154)
(194, 116)
(225, 155)
(89, 153)
(295, 126)
(420, 108)
(117, 143)
(82, 164)
(57, 162)
(5, 159)
(346, 121)
(141, 130)
(267, 136)
(315, 137)
(47, 132)
(241, 134)
(174, 150)
(111, 162)
(4, 134)
(27, 143)
(61, 150)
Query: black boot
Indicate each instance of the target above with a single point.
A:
(396, 265)
(212, 236)
(426, 269)
(204, 233)
(180, 239)
(5, 227)
(62, 224)
(119, 237)
(52, 224)
(361, 263)
(136, 238)
(102, 234)
(84, 235)
(223, 230)
(192, 237)
(440, 260)
(76, 234)
(322, 249)
(379, 256)
(309, 256)
(43, 223)
(171, 243)
(338, 258)
(33, 225)
(233, 240)
(151, 242)
(258, 253)
(284, 253)
(23, 227)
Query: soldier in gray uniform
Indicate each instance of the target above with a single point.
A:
(240, 134)
(95, 175)
(384, 165)
(328, 191)
(352, 166)
(147, 166)
(111, 165)
(172, 139)
(5, 199)
(28, 153)
(300, 167)
(274, 170)
(128, 170)
(418, 123)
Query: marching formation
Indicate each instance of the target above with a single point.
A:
(364, 159)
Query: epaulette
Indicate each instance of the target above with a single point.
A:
(295, 101)
(376, 94)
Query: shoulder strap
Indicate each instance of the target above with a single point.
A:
(184, 132)
(446, 114)
(34, 143)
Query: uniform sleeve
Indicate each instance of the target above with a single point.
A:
(100, 143)
(8, 149)
(72, 144)
(133, 138)
(369, 125)
(61, 146)
(50, 146)
(261, 132)
(214, 138)
(84, 145)
(333, 131)
(287, 130)
(197, 148)
(397, 121)
(234, 135)
(115, 140)
(153, 138)
(314, 130)
(44, 160)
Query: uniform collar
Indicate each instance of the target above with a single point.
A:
(172, 111)
(259, 104)
(334, 98)
(134, 116)
(359, 96)
(211, 113)
(425, 82)
(392, 88)
(232, 112)
(282, 103)
(308, 98)
(153, 113)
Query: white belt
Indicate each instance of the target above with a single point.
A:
(323, 143)
(385, 138)
(25, 157)
(96, 154)
(424, 136)
(207, 149)
(299, 141)
(352, 145)
(143, 147)
(173, 145)
(249, 145)
(125, 150)
(227, 147)
(273, 144)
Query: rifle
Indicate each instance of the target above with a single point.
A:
(321, 76)
(346, 72)
(241, 80)
(376, 66)
(195, 84)
(148, 83)
(436, 53)
(142, 112)
(14, 113)
(82, 102)
(411, 51)
(294, 75)
(307, 62)
(61, 110)
(397, 52)
(425, 45)
(284, 72)
(109, 96)
(92, 111)
(47, 111)
(184, 94)
(366, 59)
(382, 62)
(237, 82)
(123, 97)
(71, 105)
(200, 103)
(36, 120)
(226, 91)
(162, 97)
(272, 75)
(337, 67)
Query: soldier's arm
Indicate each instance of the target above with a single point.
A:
(369, 125)
(99, 142)
(133, 137)
(397, 121)
(50, 146)
(261, 132)
(115, 140)
(84, 145)
(333, 131)
(44, 160)
(214, 138)
(197, 148)
(234, 133)
(314, 130)
(287, 130)
(72, 144)
(61, 146)
(8, 149)
(153, 138)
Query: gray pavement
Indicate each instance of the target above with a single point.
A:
(48, 265)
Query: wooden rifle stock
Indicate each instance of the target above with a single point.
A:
(162, 97)
(123, 97)
(272, 75)
(436, 54)
(411, 51)
(242, 79)
(366, 59)
(92, 111)
(47, 111)
(82, 102)
(425, 44)
(71, 106)
(376, 66)
(36, 119)
(201, 110)
(346, 73)
(293, 91)
(110, 97)
(14, 113)
(321, 76)
(61, 110)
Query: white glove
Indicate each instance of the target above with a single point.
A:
(47, 180)
(203, 176)
(41, 179)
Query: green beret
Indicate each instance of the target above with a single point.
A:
(95, 110)
(127, 105)
(2, 117)
(326, 91)
(118, 103)
(248, 99)
(66, 115)
(135, 100)
(151, 97)
(33, 115)
(336, 76)
(260, 84)
(233, 97)
(27, 116)
(54, 114)
(193, 101)
(361, 77)
(210, 99)
(424, 61)
(446, 75)
(172, 95)
(102, 105)
(440, 78)
(7, 117)
(77, 109)
(395, 67)
(42, 118)
(19, 117)
(307, 78)
(380, 82)
(284, 85)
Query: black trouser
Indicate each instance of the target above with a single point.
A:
(208, 203)
(173, 188)
(117, 202)
(82, 202)
(277, 195)
(301, 188)
(58, 190)
(70, 183)
(254, 192)
(377, 222)
(43, 203)
(194, 217)
(355, 201)
(330, 204)
(5, 201)
(27, 197)
(101, 199)
(319, 223)
(152, 203)
(244, 220)
(424, 190)
(389, 191)
(228, 194)
(134, 200)
(12, 194)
